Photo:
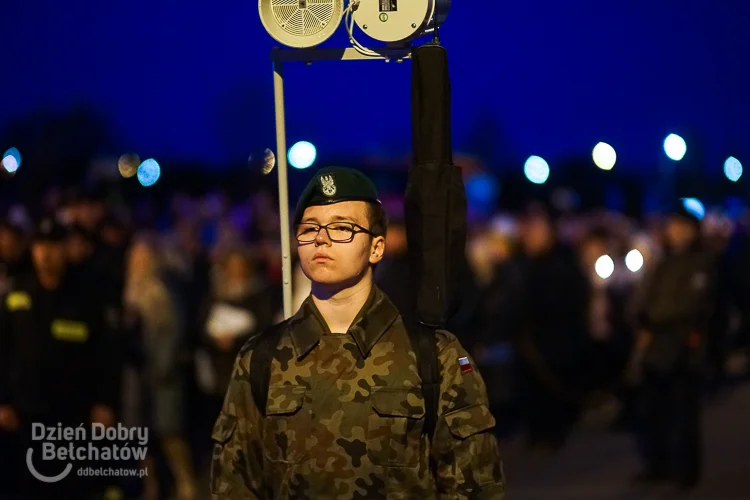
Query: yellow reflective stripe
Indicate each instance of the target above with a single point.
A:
(70, 331)
(18, 300)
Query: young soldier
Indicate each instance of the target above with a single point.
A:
(345, 412)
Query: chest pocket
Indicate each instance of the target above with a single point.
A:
(287, 425)
(394, 433)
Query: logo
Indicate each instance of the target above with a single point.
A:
(383, 17)
(327, 185)
(77, 445)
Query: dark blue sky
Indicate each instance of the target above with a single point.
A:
(193, 80)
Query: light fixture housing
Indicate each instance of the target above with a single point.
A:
(393, 21)
(301, 23)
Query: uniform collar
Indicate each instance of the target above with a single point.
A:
(376, 316)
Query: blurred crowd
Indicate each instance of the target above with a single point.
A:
(555, 308)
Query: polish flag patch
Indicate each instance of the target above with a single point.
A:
(465, 365)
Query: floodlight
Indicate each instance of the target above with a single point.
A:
(301, 23)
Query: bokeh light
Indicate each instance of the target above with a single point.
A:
(264, 161)
(482, 189)
(733, 169)
(675, 147)
(604, 267)
(11, 160)
(605, 156)
(128, 164)
(536, 170)
(695, 207)
(634, 261)
(302, 155)
(149, 172)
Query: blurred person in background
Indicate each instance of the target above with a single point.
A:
(68, 207)
(92, 209)
(612, 400)
(267, 251)
(393, 272)
(189, 261)
(79, 247)
(239, 307)
(494, 259)
(115, 238)
(56, 359)
(494, 255)
(186, 264)
(97, 264)
(610, 339)
(186, 255)
(552, 337)
(84, 207)
(160, 326)
(716, 233)
(15, 259)
(674, 321)
(265, 232)
(114, 234)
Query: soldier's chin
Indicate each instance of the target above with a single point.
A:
(331, 280)
(326, 278)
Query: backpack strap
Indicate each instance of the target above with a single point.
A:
(260, 364)
(424, 343)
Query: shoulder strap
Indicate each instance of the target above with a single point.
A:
(424, 343)
(260, 364)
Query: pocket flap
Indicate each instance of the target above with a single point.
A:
(224, 428)
(470, 420)
(285, 399)
(398, 401)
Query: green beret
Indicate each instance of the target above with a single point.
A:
(333, 185)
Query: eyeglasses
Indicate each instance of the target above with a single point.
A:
(338, 232)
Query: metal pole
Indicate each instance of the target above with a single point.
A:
(286, 258)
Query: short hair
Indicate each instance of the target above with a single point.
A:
(377, 219)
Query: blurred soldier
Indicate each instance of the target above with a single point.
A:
(55, 364)
(674, 318)
(79, 248)
(345, 412)
(14, 259)
(92, 209)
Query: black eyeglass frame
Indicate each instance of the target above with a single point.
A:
(321, 226)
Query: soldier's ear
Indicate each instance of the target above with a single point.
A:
(377, 249)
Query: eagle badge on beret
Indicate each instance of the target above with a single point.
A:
(328, 185)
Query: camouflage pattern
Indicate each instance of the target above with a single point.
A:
(344, 419)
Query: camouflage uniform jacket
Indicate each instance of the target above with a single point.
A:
(345, 414)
